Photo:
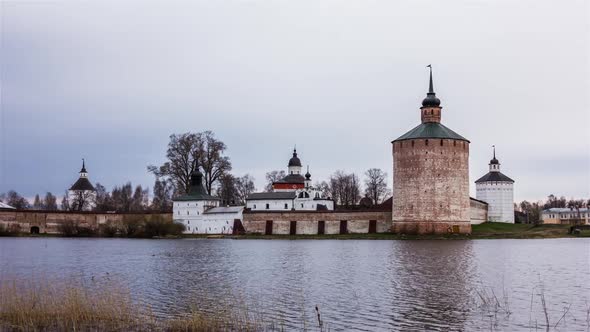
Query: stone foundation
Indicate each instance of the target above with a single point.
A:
(431, 227)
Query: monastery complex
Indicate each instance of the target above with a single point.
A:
(430, 193)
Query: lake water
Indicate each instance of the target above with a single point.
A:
(358, 285)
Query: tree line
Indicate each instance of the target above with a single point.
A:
(532, 210)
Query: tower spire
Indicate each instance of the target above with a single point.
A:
(431, 87)
(431, 100)
(493, 146)
(83, 170)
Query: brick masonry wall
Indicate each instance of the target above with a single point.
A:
(307, 222)
(49, 221)
(431, 186)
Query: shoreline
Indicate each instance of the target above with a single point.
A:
(479, 232)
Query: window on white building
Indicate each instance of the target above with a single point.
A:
(286, 206)
(267, 206)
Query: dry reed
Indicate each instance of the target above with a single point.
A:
(105, 306)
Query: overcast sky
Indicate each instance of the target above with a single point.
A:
(110, 81)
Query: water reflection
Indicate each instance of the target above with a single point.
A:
(360, 285)
(430, 282)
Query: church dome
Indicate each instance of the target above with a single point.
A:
(294, 161)
(431, 100)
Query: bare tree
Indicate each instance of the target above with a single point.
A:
(576, 204)
(324, 188)
(532, 211)
(227, 189)
(15, 200)
(104, 202)
(122, 197)
(272, 177)
(49, 202)
(140, 199)
(65, 202)
(81, 200)
(162, 200)
(345, 188)
(211, 158)
(185, 152)
(244, 187)
(376, 185)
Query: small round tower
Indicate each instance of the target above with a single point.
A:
(497, 190)
(431, 176)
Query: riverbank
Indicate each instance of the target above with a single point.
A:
(487, 230)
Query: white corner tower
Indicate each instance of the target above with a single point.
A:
(497, 190)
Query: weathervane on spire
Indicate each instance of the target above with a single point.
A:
(431, 87)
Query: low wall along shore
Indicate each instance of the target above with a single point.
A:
(47, 222)
(315, 222)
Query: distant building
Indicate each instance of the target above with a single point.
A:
(293, 192)
(497, 190)
(567, 216)
(4, 206)
(200, 212)
(82, 195)
(431, 176)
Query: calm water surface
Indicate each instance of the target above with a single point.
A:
(358, 285)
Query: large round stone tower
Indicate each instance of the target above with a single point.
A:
(431, 176)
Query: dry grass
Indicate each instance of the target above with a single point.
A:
(32, 306)
(105, 306)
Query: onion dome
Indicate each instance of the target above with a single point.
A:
(294, 161)
(431, 100)
(307, 175)
(494, 161)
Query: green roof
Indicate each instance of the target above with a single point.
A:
(431, 130)
(196, 192)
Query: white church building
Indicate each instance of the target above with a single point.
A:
(200, 212)
(293, 192)
(497, 190)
